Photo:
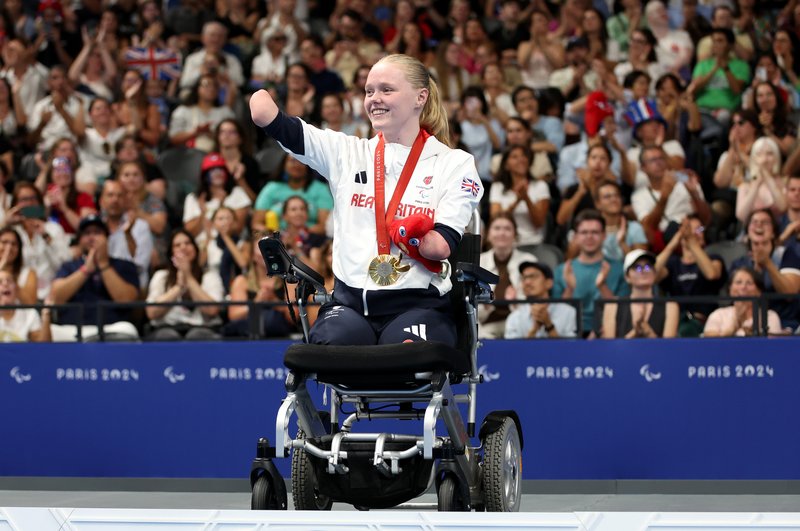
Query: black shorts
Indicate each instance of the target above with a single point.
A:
(341, 325)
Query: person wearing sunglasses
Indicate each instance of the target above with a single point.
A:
(635, 317)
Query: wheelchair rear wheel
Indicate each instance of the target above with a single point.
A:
(502, 468)
(449, 496)
(305, 491)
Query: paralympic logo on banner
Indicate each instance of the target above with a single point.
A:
(488, 376)
(172, 376)
(649, 375)
(19, 376)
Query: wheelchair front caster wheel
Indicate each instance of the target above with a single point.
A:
(263, 496)
(502, 468)
(449, 496)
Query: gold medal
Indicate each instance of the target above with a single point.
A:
(385, 269)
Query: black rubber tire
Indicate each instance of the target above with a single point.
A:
(262, 496)
(502, 469)
(449, 497)
(305, 495)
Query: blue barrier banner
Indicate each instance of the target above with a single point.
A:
(621, 409)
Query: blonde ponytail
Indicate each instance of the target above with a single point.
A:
(434, 116)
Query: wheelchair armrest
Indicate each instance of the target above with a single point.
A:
(280, 262)
(475, 273)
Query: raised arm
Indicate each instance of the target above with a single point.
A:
(263, 109)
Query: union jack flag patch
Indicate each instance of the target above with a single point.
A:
(470, 185)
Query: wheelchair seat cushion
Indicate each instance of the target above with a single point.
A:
(418, 356)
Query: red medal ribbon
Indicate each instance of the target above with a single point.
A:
(384, 218)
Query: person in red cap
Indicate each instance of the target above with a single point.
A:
(216, 188)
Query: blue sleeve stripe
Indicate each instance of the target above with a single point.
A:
(288, 130)
(450, 235)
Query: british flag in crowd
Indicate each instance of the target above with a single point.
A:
(470, 185)
(154, 63)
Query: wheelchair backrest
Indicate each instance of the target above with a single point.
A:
(468, 250)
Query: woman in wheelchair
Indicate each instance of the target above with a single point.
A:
(405, 189)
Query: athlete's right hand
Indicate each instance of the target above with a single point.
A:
(262, 108)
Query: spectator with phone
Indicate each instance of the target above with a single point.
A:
(45, 246)
(768, 70)
(21, 324)
(66, 204)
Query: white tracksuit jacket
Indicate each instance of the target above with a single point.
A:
(445, 186)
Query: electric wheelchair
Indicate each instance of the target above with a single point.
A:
(332, 461)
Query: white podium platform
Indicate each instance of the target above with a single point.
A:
(66, 519)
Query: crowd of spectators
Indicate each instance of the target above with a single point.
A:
(634, 151)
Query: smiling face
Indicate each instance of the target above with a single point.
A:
(744, 285)
(8, 288)
(590, 235)
(517, 162)
(131, 178)
(609, 200)
(295, 212)
(502, 234)
(183, 247)
(391, 103)
(9, 243)
(642, 274)
(760, 227)
(765, 98)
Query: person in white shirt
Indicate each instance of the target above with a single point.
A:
(59, 115)
(213, 38)
(216, 188)
(22, 324)
(183, 280)
(667, 199)
(378, 296)
(44, 245)
(540, 319)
